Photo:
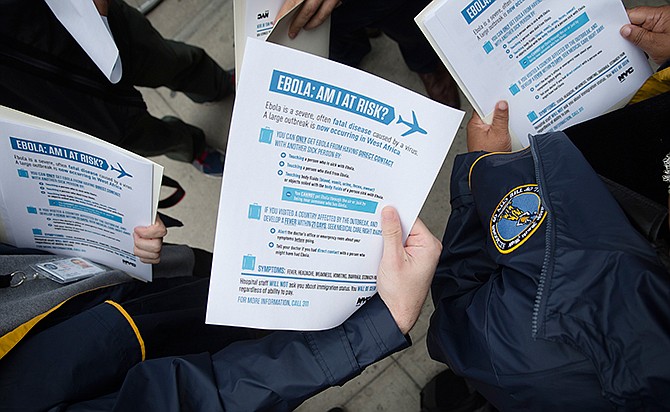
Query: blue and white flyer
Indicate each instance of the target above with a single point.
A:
(316, 150)
(556, 62)
(68, 193)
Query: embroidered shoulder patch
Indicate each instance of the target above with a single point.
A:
(516, 217)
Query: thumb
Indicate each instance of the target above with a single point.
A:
(500, 121)
(391, 233)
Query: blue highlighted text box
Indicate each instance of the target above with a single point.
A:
(87, 209)
(328, 200)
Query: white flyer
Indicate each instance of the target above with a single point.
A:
(316, 150)
(71, 194)
(81, 19)
(556, 62)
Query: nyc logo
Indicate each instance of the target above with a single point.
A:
(516, 217)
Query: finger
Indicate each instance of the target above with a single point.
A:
(287, 6)
(651, 43)
(422, 245)
(636, 35)
(148, 251)
(392, 234)
(157, 230)
(148, 245)
(644, 16)
(151, 232)
(149, 259)
(500, 139)
(322, 13)
(145, 254)
(307, 10)
(500, 121)
(418, 233)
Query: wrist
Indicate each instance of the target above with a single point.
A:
(405, 316)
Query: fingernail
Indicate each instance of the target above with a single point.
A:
(625, 31)
(388, 213)
(502, 105)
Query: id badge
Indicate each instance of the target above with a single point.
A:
(69, 269)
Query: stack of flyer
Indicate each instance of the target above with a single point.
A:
(71, 194)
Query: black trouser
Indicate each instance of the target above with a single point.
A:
(349, 42)
(45, 73)
(149, 60)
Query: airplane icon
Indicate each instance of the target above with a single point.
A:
(122, 172)
(413, 127)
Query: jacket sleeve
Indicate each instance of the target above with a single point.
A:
(275, 373)
(464, 264)
(463, 269)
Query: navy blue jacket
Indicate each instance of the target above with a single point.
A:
(94, 361)
(546, 298)
(276, 373)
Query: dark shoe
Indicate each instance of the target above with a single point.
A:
(210, 162)
(226, 82)
(441, 87)
(228, 86)
(447, 392)
(185, 148)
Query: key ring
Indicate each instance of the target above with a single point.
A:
(16, 279)
(22, 278)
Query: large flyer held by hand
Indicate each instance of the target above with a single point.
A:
(316, 150)
(557, 62)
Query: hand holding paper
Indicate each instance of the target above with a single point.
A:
(492, 137)
(405, 273)
(650, 31)
(149, 241)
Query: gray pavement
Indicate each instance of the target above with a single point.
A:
(392, 384)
